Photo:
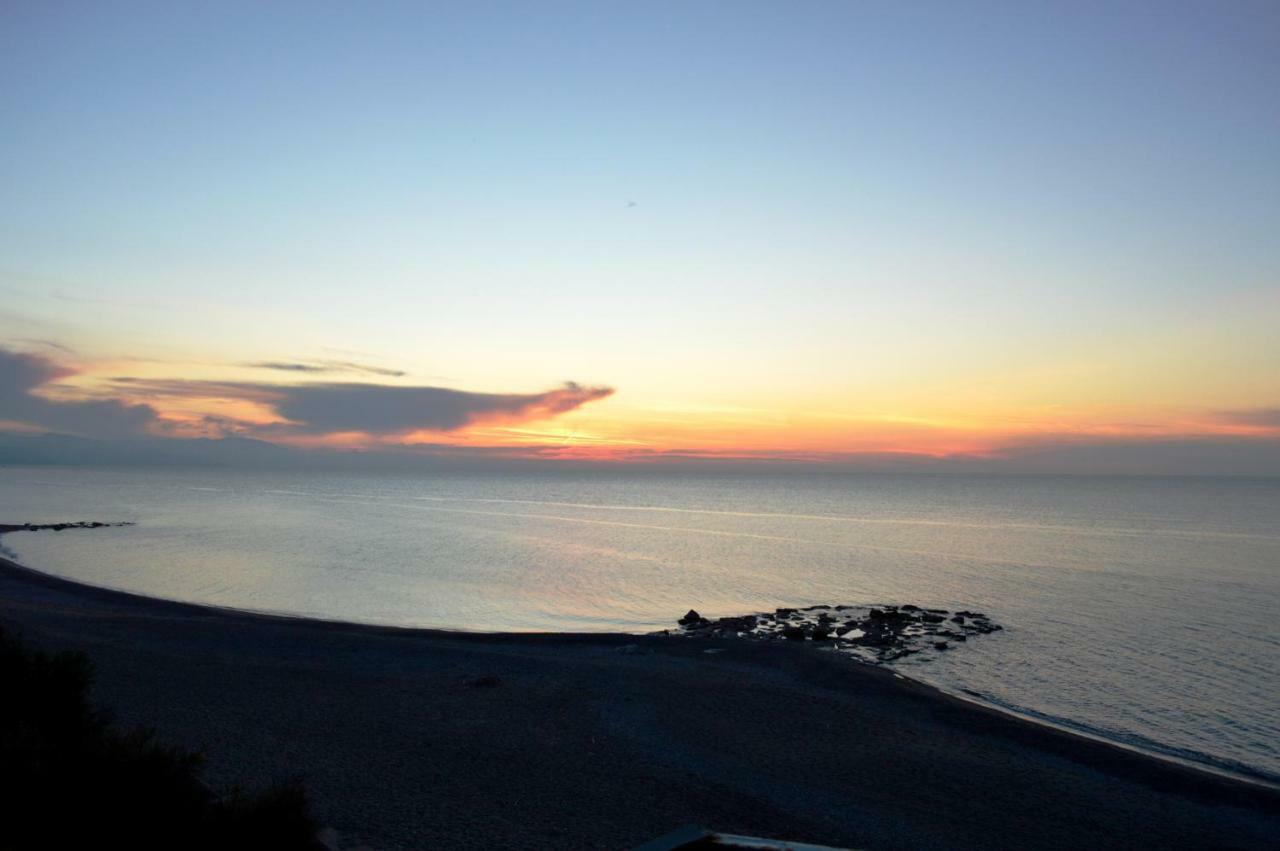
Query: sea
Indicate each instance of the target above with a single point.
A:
(1145, 611)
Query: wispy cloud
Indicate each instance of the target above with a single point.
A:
(328, 366)
(46, 344)
(185, 388)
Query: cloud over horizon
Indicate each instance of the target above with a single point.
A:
(376, 409)
(134, 405)
(1196, 456)
(22, 373)
(1264, 418)
(381, 409)
(1191, 454)
(386, 418)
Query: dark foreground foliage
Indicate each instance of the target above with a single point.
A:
(69, 779)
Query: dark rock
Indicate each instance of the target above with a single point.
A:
(885, 633)
(746, 623)
(892, 615)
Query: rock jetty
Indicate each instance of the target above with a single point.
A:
(55, 527)
(873, 633)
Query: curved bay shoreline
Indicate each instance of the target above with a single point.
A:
(422, 738)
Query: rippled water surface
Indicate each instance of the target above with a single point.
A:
(1141, 609)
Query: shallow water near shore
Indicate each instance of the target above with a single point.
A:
(1143, 610)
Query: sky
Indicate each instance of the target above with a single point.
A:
(627, 232)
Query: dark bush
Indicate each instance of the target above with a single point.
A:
(69, 778)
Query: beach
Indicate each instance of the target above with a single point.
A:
(425, 738)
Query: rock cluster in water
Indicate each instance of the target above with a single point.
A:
(873, 633)
(58, 527)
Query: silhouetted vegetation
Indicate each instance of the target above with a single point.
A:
(69, 778)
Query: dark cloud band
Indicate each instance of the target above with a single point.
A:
(1268, 418)
(21, 373)
(311, 409)
(378, 409)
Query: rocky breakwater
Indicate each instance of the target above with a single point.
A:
(873, 633)
(55, 527)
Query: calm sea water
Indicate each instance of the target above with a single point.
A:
(1143, 610)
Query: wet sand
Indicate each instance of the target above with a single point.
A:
(433, 739)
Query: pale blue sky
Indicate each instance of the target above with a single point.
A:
(925, 187)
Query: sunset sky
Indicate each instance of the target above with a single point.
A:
(813, 231)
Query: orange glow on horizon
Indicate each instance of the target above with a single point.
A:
(799, 437)
(609, 429)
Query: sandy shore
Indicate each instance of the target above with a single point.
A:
(430, 739)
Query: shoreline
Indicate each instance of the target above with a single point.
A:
(1238, 774)
(1242, 774)
(120, 628)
